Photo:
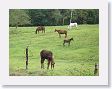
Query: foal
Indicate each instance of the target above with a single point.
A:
(67, 41)
(40, 28)
(45, 54)
(61, 32)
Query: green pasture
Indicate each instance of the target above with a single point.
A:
(78, 59)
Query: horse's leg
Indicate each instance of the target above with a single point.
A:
(35, 32)
(51, 65)
(76, 25)
(69, 44)
(38, 31)
(42, 63)
(48, 64)
(65, 35)
(63, 43)
(69, 27)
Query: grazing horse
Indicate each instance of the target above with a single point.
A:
(67, 41)
(61, 32)
(72, 25)
(45, 54)
(40, 28)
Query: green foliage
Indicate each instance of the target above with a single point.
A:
(78, 59)
(52, 17)
(86, 16)
(18, 17)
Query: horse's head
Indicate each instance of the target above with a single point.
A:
(55, 30)
(52, 63)
(72, 39)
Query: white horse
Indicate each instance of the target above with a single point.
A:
(72, 25)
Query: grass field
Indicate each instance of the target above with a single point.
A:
(78, 59)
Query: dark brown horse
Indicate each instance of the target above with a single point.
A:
(61, 32)
(45, 54)
(40, 28)
(67, 41)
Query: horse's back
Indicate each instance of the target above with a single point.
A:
(62, 31)
(46, 54)
(40, 28)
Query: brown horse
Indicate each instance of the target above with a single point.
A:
(40, 28)
(61, 32)
(67, 41)
(45, 54)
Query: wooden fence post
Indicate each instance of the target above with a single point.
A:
(27, 57)
(96, 70)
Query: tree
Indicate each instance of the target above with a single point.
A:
(50, 17)
(18, 17)
(65, 15)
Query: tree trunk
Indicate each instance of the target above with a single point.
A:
(63, 21)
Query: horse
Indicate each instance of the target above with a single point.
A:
(61, 32)
(67, 41)
(40, 28)
(72, 25)
(45, 54)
